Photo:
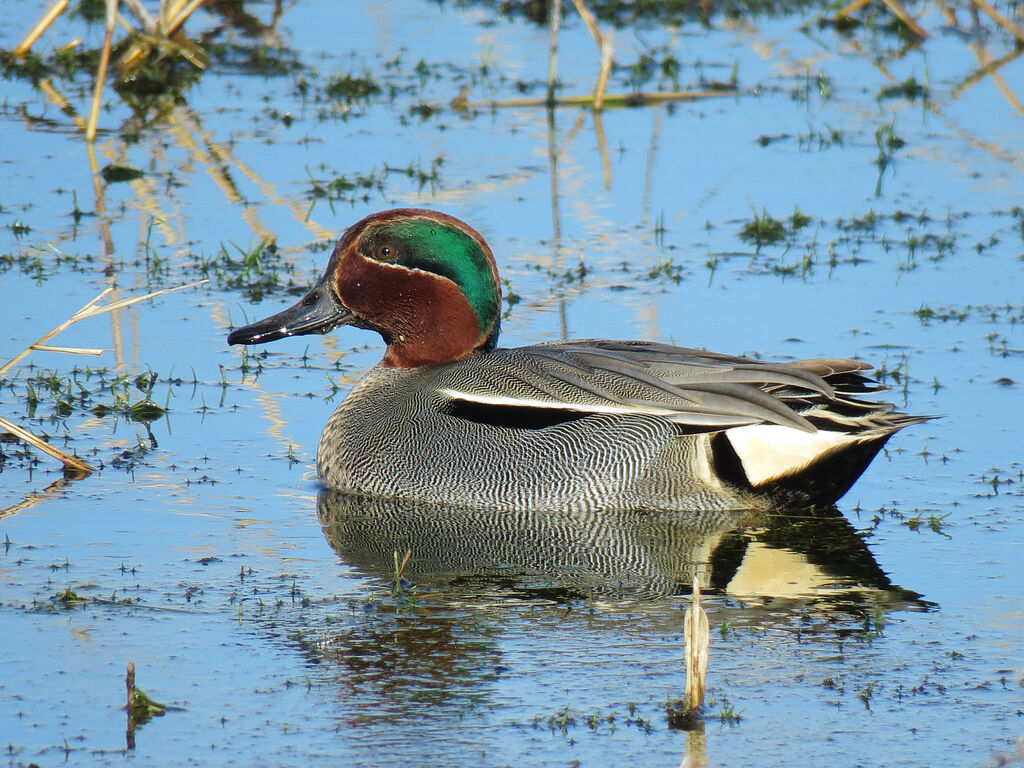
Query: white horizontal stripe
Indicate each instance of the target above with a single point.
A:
(514, 402)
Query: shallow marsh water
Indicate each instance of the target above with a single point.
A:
(887, 633)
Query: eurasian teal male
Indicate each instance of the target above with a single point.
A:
(449, 417)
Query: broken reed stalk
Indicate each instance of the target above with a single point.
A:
(903, 15)
(604, 46)
(400, 568)
(397, 590)
(142, 15)
(89, 310)
(606, 69)
(698, 637)
(129, 684)
(72, 463)
(40, 26)
(101, 72)
(856, 5)
(181, 16)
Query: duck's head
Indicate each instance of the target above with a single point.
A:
(424, 280)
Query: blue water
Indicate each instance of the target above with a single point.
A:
(281, 650)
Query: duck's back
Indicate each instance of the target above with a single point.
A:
(585, 425)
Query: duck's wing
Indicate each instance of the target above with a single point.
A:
(694, 389)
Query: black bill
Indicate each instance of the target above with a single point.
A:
(316, 312)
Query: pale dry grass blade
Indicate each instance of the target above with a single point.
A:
(70, 462)
(93, 351)
(142, 15)
(856, 5)
(604, 46)
(589, 21)
(903, 15)
(606, 69)
(182, 16)
(46, 337)
(101, 73)
(133, 300)
(91, 309)
(41, 26)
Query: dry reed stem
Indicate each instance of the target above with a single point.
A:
(101, 73)
(902, 14)
(80, 314)
(69, 461)
(89, 310)
(148, 22)
(129, 684)
(94, 351)
(856, 5)
(400, 568)
(170, 9)
(893, 5)
(606, 69)
(999, 19)
(40, 26)
(182, 16)
(698, 638)
(604, 46)
(589, 21)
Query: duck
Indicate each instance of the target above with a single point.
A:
(449, 417)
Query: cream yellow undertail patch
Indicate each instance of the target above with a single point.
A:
(770, 451)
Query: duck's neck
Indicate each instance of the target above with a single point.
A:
(426, 321)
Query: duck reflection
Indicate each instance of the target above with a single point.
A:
(801, 554)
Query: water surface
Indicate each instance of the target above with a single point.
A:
(886, 632)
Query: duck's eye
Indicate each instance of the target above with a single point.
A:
(385, 253)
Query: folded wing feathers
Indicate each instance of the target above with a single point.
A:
(686, 386)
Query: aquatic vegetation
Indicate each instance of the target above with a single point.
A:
(202, 516)
(762, 230)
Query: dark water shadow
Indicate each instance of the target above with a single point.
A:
(813, 554)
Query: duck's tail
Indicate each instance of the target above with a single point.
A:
(799, 468)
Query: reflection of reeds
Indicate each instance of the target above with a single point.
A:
(72, 464)
(638, 99)
(101, 71)
(911, 23)
(33, 498)
(897, 10)
(155, 33)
